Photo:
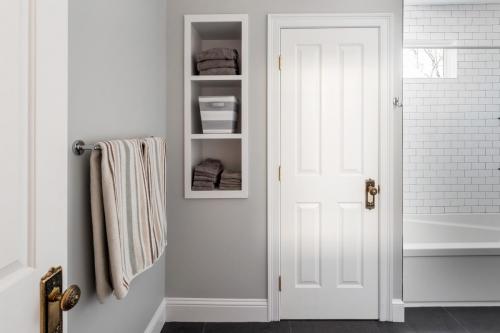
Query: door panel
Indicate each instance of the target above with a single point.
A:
(329, 146)
(33, 171)
(309, 246)
(17, 275)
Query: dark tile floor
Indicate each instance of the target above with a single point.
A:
(418, 320)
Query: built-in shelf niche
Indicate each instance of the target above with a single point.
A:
(213, 34)
(215, 87)
(203, 32)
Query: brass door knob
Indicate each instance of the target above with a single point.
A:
(372, 190)
(68, 299)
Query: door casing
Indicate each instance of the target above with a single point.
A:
(384, 22)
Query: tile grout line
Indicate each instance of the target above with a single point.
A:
(455, 319)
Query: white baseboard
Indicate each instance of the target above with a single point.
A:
(398, 311)
(449, 304)
(216, 310)
(159, 318)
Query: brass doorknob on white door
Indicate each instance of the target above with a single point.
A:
(68, 299)
(54, 301)
(371, 190)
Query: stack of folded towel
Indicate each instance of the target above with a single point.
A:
(217, 61)
(230, 181)
(206, 175)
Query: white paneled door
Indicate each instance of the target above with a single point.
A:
(330, 108)
(33, 168)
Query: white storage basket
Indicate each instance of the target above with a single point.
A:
(218, 114)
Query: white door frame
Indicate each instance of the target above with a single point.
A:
(384, 22)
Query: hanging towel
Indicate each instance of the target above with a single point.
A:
(128, 203)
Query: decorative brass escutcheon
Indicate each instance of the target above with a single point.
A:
(370, 192)
(53, 302)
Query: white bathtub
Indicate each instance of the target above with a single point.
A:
(451, 259)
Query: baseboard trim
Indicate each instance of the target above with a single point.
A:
(398, 311)
(216, 310)
(159, 318)
(181, 309)
(449, 304)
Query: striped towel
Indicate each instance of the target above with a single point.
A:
(128, 201)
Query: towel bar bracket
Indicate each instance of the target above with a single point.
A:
(79, 147)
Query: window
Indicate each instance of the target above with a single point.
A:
(429, 63)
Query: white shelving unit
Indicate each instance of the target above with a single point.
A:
(202, 32)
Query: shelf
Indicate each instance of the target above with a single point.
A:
(216, 77)
(216, 194)
(215, 136)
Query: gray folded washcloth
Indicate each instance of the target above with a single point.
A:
(206, 175)
(219, 71)
(217, 54)
(209, 167)
(205, 178)
(210, 64)
(230, 184)
(208, 170)
(203, 184)
(203, 188)
(230, 175)
(229, 188)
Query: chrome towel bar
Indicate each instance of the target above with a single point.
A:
(79, 147)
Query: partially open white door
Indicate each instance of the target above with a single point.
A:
(330, 106)
(33, 165)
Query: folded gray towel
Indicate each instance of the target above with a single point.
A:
(230, 175)
(217, 54)
(219, 71)
(205, 178)
(230, 184)
(206, 174)
(202, 188)
(207, 171)
(229, 188)
(209, 64)
(209, 167)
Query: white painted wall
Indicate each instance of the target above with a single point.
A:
(117, 89)
(217, 248)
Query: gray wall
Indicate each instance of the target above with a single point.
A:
(217, 248)
(117, 85)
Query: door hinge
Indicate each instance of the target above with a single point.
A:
(279, 62)
(279, 173)
(279, 283)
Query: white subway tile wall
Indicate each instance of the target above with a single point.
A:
(451, 126)
(467, 25)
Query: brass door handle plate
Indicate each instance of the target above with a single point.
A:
(371, 190)
(53, 301)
